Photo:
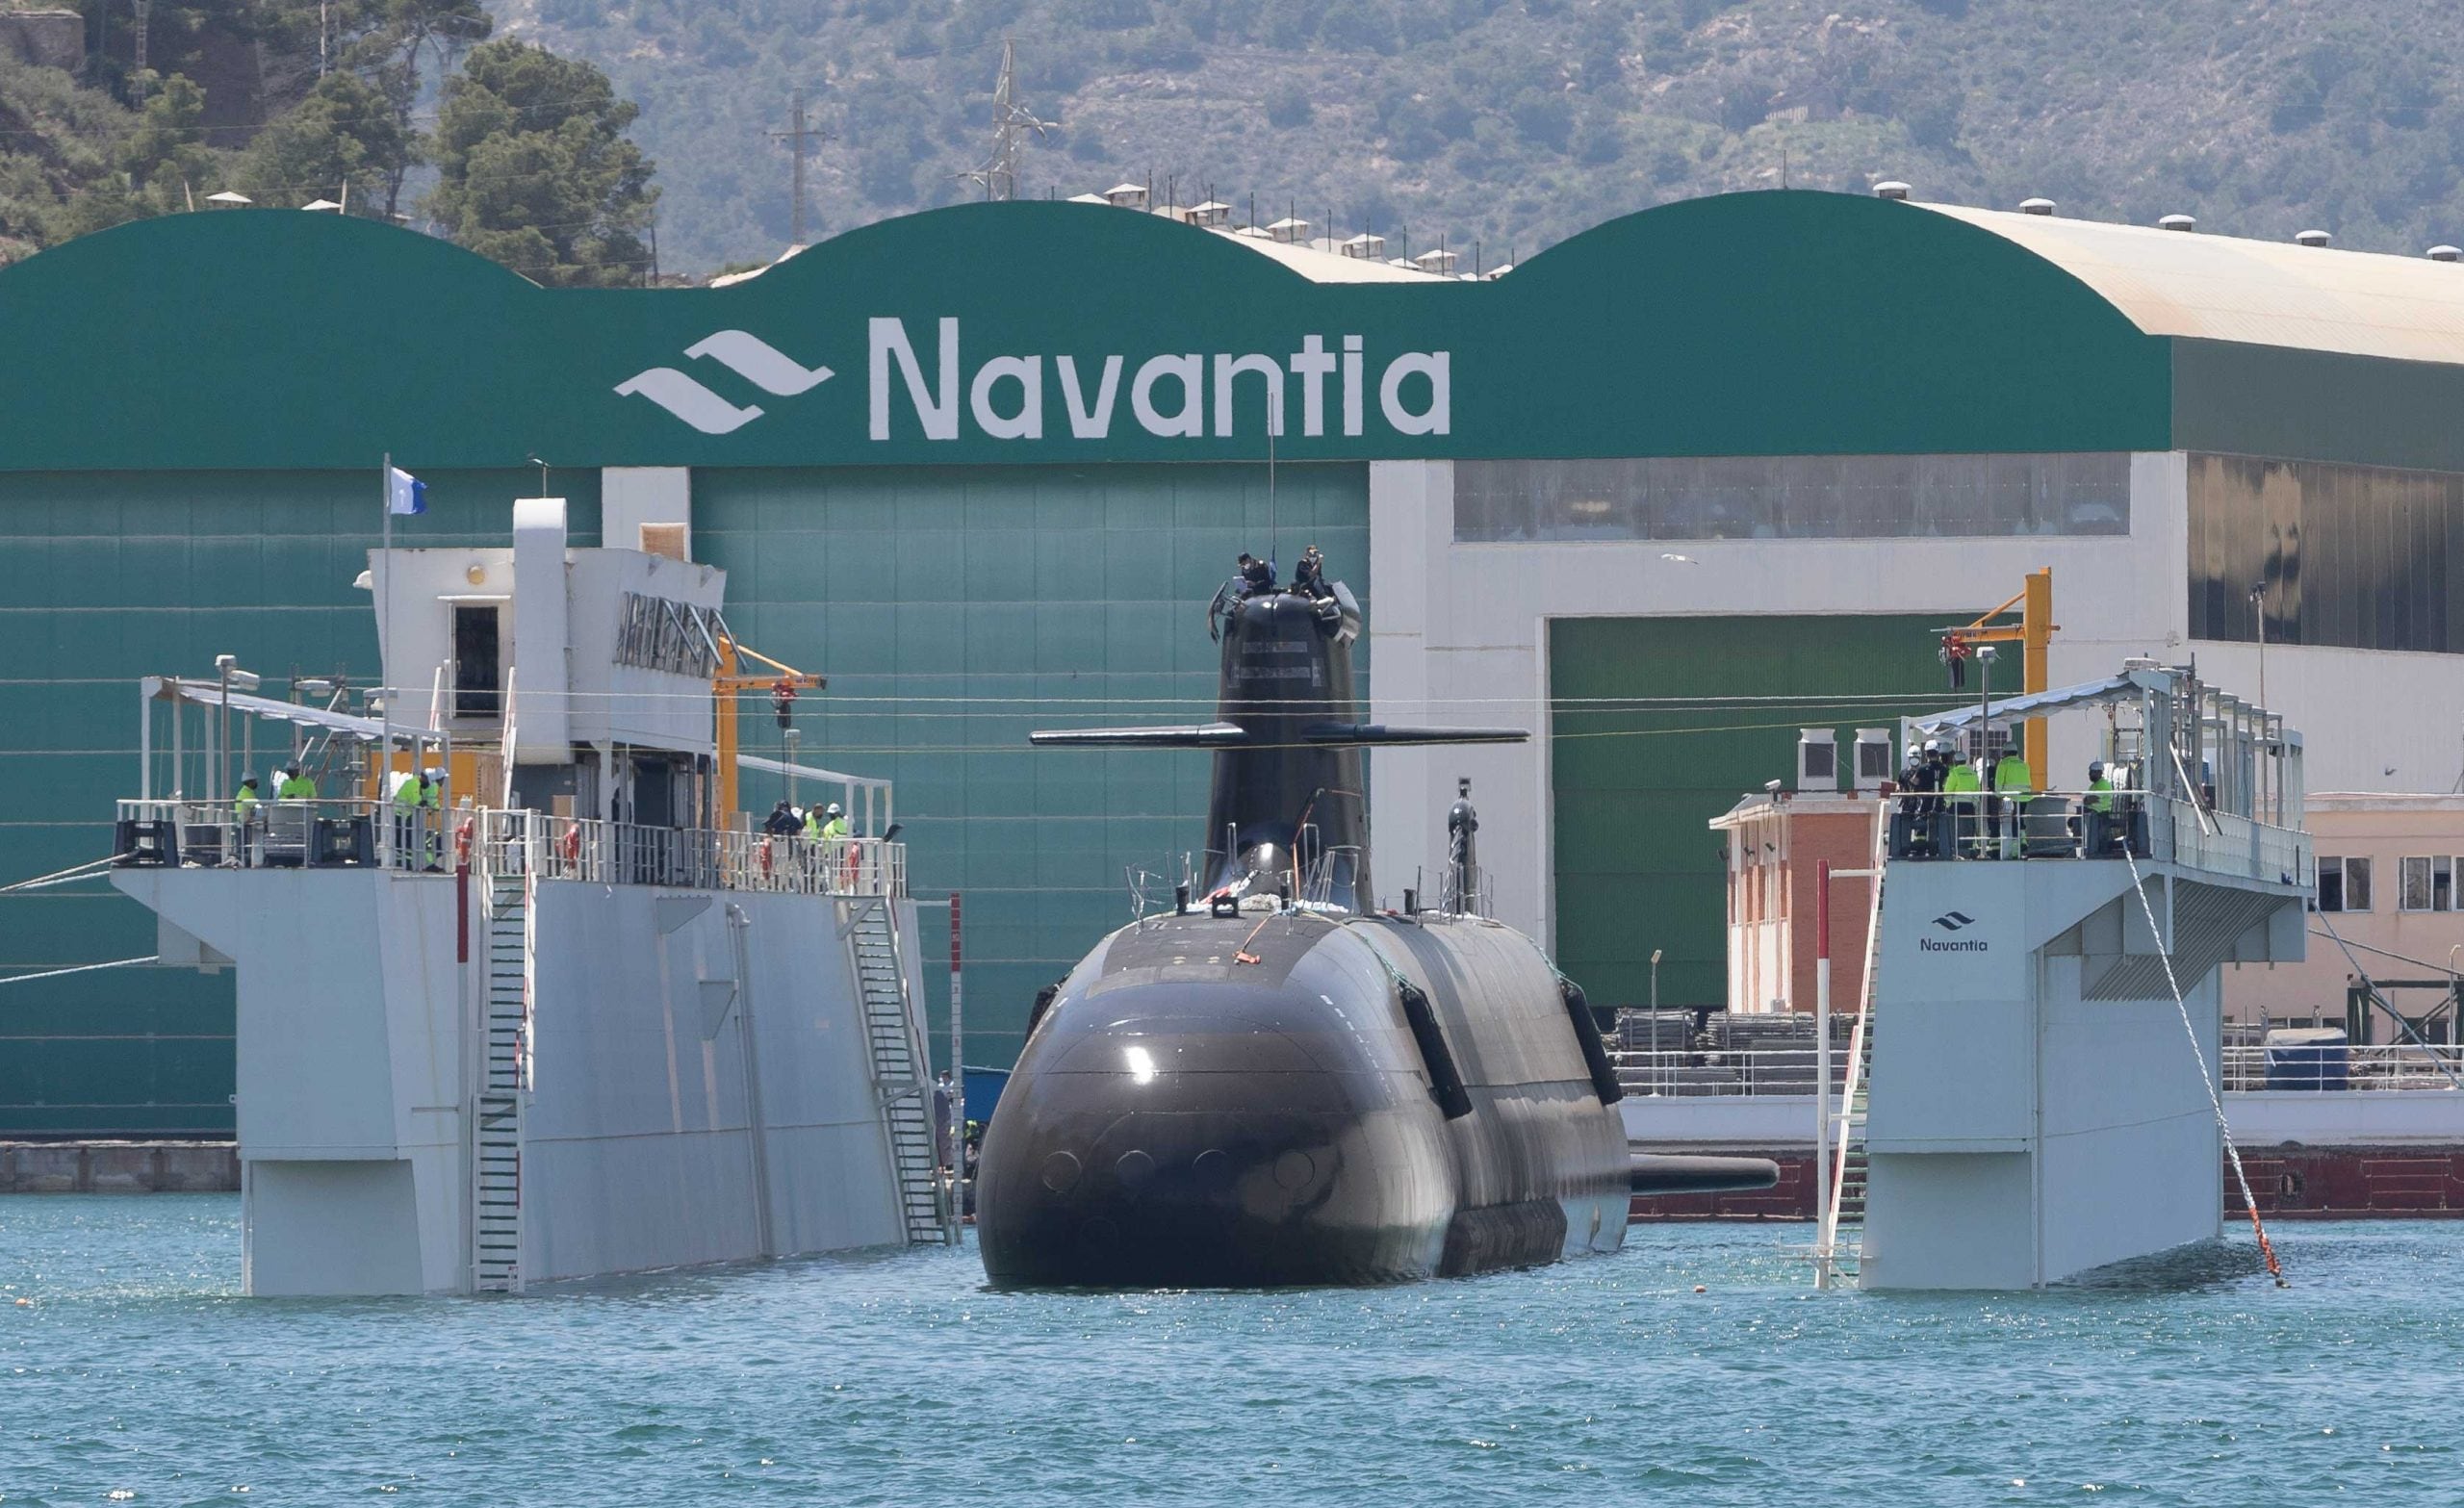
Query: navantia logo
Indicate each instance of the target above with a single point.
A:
(1954, 922)
(1172, 395)
(748, 356)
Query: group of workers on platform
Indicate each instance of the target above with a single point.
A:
(823, 830)
(417, 797)
(291, 782)
(1989, 808)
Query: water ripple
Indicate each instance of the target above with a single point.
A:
(883, 1379)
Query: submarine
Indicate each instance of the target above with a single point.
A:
(1274, 1083)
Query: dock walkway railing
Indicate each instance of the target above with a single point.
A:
(1763, 1072)
(364, 835)
(2053, 825)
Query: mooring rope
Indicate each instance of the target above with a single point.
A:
(89, 870)
(2215, 1100)
(82, 968)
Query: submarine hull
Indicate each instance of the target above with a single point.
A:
(1243, 1102)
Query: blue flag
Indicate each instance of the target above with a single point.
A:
(403, 492)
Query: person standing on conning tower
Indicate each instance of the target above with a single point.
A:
(1462, 856)
(1309, 576)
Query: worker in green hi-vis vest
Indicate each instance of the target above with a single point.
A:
(2096, 831)
(2014, 783)
(1960, 790)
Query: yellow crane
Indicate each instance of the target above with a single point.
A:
(2033, 634)
(727, 688)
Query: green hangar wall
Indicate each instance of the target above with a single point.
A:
(1636, 781)
(956, 609)
(107, 577)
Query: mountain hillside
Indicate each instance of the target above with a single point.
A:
(1507, 124)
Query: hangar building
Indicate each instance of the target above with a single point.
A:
(1665, 493)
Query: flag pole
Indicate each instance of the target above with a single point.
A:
(384, 650)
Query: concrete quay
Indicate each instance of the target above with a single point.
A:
(113, 1167)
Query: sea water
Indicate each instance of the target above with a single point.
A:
(132, 1372)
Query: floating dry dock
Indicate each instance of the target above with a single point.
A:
(571, 1016)
(2041, 1099)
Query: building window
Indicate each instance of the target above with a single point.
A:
(1794, 496)
(2357, 557)
(2343, 885)
(2429, 883)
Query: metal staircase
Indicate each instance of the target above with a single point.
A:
(504, 1085)
(1835, 1256)
(891, 1032)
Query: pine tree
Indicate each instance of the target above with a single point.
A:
(534, 170)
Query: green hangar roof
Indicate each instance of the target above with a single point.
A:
(1754, 324)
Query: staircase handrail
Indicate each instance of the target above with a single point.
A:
(1828, 1238)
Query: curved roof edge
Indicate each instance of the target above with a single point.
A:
(2251, 293)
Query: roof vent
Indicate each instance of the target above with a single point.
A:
(1127, 195)
(2035, 206)
(2311, 237)
(1891, 189)
(2177, 222)
(1289, 230)
(2446, 254)
(1364, 247)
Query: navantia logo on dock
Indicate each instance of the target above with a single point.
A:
(1952, 922)
(1174, 396)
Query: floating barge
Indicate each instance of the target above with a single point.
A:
(570, 1014)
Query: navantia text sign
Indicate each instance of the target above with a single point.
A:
(1751, 325)
(1009, 397)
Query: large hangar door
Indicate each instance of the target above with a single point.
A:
(1658, 725)
(955, 608)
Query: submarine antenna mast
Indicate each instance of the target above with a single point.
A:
(1274, 421)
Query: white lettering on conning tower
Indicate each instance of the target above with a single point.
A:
(1169, 394)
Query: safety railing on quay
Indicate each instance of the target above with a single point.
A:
(1712, 1073)
(2376, 1068)
(1766, 1071)
(357, 834)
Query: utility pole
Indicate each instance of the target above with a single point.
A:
(1011, 120)
(145, 24)
(797, 135)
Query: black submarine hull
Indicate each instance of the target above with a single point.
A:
(1183, 1117)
